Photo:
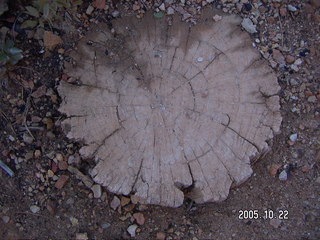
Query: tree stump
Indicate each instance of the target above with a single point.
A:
(170, 110)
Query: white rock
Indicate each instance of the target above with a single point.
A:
(247, 24)
(292, 8)
(96, 189)
(298, 62)
(34, 209)
(293, 137)
(283, 176)
(294, 67)
(162, 7)
(89, 10)
(115, 203)
(200, 59)
(217, 18)
(170, 11)
(132, 230)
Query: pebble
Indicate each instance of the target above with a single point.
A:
(162, 7)
(115, 14)
(59, 157)
(5, 219)
(27, 138)
(275, 222)
(217, 18)
(298, 62)
(161, 236)
(63, 179)
(105, 225)
(125, 201)
(97, 192)
(292, 8)
(170, 11)
(247, 24)
(115, 203)
(89, 10)
(290, 59)
(200, 59)
(312, 99)
(318, 180)
(37, 153)
(11, 138)
(274, 169)
(34, 209)
(74, 221)
(132, 230)
(139, 217)
(293, 137)
(50, 40)
(62, 165)
(81, 236)
(283, 176)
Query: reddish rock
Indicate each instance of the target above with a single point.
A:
(161, 236)
(290, 59)
(139, 217)
(274, 169)
(54, 167)
(277, 56)
(283, 12)
(100, 4)
(63, 165)
(61, 181)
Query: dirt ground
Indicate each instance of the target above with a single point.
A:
(33, 145)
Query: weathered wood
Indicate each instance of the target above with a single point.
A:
(164, 108)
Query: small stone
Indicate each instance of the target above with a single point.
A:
(96, 189)
(50, 173)
(318, 180)
(283, 176)
(5, 219)
(37, 153)
(275, 222)
(200, 59)
(312, 99)
(292, 8)
(59, 157)
(89, 10)
(170, 11)
(162, 7)
(115, 14)
(27, 138)
(34, 209)
(63, 179)
(132, 230)
(62, 165)
(11, 138)
(217, 18)
(41, 91)
(274, 169)
(105, 225)
(125, 201)
(294, 67)
(99, 4)
(115, 203)
(74, 221)
(139, 217)
(161, 236)
(81, 236)
(298, 62)
(293, 137)
(135, 7)
(248, 25)
(51, 40)
(278, 57)
(283, 12)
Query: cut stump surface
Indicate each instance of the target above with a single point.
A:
(169, 110)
